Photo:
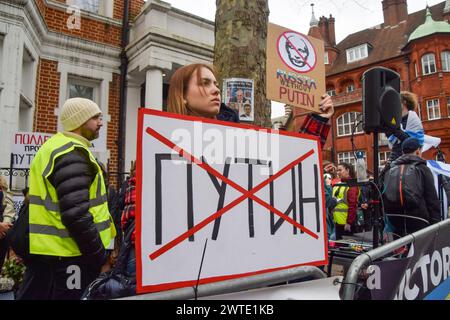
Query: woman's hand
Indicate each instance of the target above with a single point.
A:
(4, 227)
(348, 228)
(326, 106)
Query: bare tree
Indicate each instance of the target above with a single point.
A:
(240, 48)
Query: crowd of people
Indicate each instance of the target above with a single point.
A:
(74, 216)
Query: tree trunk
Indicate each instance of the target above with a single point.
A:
(240, 48)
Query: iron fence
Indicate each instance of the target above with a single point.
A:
(9, 173)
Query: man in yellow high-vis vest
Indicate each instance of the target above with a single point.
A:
(70, 226)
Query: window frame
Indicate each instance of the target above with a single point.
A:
(349, 157)
(2, 41)
(448, 106)
(386, 156)
(92, 83)
(350, 88)
(383, 139)
(357, 53)
(445, 61)
(349, 125)
(428, 63)
(101, 6)
(438, 106)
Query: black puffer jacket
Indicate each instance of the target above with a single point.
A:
(72, 177)
(429, 208)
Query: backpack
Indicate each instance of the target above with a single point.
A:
(403, 186)
(18, 236)
(114, 284)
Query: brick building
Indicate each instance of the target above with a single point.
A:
(51, 50)
(415, 45)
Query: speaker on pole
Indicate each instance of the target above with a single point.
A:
(381, 100)
(382, 110)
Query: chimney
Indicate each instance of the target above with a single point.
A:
(331, 31)
(327, 30)
(323, 26)
(394, 11)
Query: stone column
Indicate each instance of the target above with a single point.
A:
(154, 89)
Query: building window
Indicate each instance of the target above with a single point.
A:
(434, 111)
(415, 70)
(346, 124)
(448, 107)
(382, 139)
(382, 158)
(1, 63)
(28, 66)
(445, 57)
(101, 7)
(79, 88)
(325, 58)
(350, 88)
(357, 53)
(25, 114)
(331, 92)
(87, 5)
(27, 91)
(349, 157)
(428, 64)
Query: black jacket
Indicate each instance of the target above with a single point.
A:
(396, 151)
(72, 177)
(429, 208)
(227, 114)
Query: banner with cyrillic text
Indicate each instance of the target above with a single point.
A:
(25, 146)
(218, 200)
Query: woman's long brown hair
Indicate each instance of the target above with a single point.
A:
(179, 85)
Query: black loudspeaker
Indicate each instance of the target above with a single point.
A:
(381, 100)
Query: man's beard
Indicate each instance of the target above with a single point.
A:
(91, 135)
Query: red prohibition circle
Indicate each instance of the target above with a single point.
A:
(283, 35)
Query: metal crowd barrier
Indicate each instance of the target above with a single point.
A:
(364, 260)
(233, 285)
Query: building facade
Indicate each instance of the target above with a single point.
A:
(417, 46)
(52, 50)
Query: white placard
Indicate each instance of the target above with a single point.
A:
(25, 146)
(181, 204)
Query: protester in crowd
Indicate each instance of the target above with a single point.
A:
(194, 91)
(446, 187)
(411, 126)
(330, 203)
(70, 225)
(344, 214)
(410, 201)
(7, 217)
(330, 168)
(128, 216)
(114, 210)
(364, 202)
